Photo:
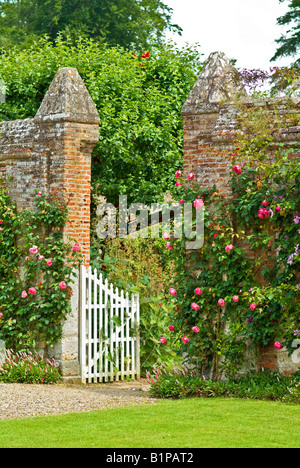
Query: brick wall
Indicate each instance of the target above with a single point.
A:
(210, 123)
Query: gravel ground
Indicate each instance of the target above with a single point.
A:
(21, 401)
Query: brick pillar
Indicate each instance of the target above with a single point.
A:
(52, 153)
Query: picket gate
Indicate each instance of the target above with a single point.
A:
(110, 341)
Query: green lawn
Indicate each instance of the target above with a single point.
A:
(192, 423)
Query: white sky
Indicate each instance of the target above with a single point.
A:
(244, 29)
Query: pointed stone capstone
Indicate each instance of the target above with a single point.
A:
(217, 82)
(68, 100)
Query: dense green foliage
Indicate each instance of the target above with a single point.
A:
(139, 102)
(116, 22)
(289, 43)
(36, 268)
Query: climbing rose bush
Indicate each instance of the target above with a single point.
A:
(242, 288)
(36, 268)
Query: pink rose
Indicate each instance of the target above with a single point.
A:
(253, 306)
(24, 294)
(195, 306)
(41, 257)
(198, 291)
(33, 250)
(236, 298)
(178, 174)
(171, 328)
(191, 176)
(196, 329)
(169, 245)
(237, 169)
(75, 248)
(173, 292)
(49, 262)
(178, 183)
(1, 315)
(278, 345)
(39, 193)
(32, 291)
(62, 285)
(221, 302)
(216, 235)
(198, 203)
(163, 340)
(228, 248)
(181, 202)
(277, 209)
(185, 339)
(166, 236)
(265, 203)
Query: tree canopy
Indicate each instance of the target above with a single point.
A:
(289, 43)
(116, 22)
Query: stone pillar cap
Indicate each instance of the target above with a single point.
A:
(217, 82)
(68, 100)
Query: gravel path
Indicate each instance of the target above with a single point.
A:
(21, 401)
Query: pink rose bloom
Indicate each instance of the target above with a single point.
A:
(191, 176)
(163, 340)
(24, 294)
(75, 248)
(198, 203)
(178, 174)
(185, 339)
(62, 285)
(39, 193)
(41, 257)
(277, 209)
(49, 262)
(32, 291)
(169, 246)
(181, 202)
(195, 306)
(228, 248)
(173, 292)
(278, 345)
(237, 169)
(236, 298)
(198, 291)
(253, 306)
(265, 203)
(171, 328)
(221, 302)
(196, 329)
(216, 235)
(33, 249)
(178, 183)
(1, 315)
(166, 236)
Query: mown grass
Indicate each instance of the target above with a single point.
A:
(190, 423)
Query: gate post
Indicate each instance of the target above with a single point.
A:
(69, 115)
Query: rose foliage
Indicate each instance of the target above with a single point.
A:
(36, 272)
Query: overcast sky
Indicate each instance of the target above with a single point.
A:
(244, 29)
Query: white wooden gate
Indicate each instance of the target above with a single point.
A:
(110, 343)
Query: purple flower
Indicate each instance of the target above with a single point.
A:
(250, 319)
(298, 286)
(296, 219)
(296, 332)
(290, 259)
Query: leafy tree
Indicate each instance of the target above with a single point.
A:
(289, 43)
(121, 22)
(139, 100)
